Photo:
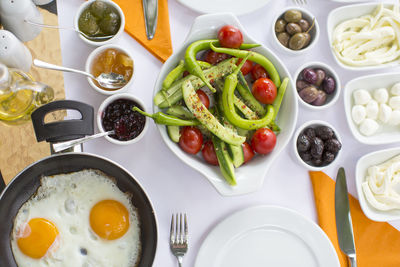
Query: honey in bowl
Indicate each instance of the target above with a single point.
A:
(112, 60)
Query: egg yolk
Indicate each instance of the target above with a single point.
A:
(37, 237)
(109, 219)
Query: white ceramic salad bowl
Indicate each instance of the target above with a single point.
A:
(387, 134)
(347, 12)
(251, 175)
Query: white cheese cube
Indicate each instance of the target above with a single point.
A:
(358, 113)
(381, 95)
(361, 97)
(369, 127)
(394, 118)
(384, 113)
(372, 109)
(395, 89)
(394, 102)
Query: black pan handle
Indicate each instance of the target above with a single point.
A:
(64, 130)
(2, 183)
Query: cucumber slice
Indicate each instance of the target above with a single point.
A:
(174, 133)
(224, 160)
(237, 155)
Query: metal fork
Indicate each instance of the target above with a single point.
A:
(179, 236)
(300, 2)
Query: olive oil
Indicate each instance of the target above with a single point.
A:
(20, 95)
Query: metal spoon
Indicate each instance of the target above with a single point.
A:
(107, 80)
(57, 147)
(95, 38)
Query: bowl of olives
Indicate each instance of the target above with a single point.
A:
(317, 145)
(318, 85)
(295, 30)
(100, 21)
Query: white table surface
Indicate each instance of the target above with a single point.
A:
(173, 186)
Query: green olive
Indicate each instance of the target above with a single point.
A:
(293, 28)
(304, 25)
(110, 24)
(292, 16)
(308, 39)
(87, 23)
(98, 8)
(280, 25)
(297, 41)
(283, 38)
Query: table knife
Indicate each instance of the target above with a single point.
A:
(150, 10)
(343, 218)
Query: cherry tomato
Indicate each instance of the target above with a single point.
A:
(203, 98)
(209, 154)
(191, 140)
(258, 72)
(264, 90)
(247, 66)
(247, 151)
(263, 141)
(230, 36)
(214, 57)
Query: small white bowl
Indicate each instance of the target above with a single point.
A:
(108, 101)
(330, 99)
(88, 68)
(387, 134)
(314, 32)
(313, 124)
(374, 158)
(347, 12)
(113, 39)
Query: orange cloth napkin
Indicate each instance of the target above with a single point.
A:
(160, 46)
(377, 243)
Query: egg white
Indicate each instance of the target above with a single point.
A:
(66, 200)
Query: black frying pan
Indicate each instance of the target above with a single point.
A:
(24, 185)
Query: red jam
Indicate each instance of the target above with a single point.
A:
(119, 116)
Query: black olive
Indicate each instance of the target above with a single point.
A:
(324, 132)
(309, 94)
(301, 84)
(320, 100)
(316, 162)
(329, 85)
(310, 132)
(303, 143)
(328, 157)
(317, 148)
(306, 156)
(320, 76)
(333, 145)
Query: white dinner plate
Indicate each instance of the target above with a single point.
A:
(237, 7)
(267, 236)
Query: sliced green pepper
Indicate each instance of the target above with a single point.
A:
(255, 57)
(162, 118)
(228, 95)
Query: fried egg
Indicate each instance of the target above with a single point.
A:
(77, 219)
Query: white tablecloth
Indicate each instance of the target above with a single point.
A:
(173, 186)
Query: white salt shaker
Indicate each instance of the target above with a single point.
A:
(14, 12)
(13, 52)
(42, 2)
